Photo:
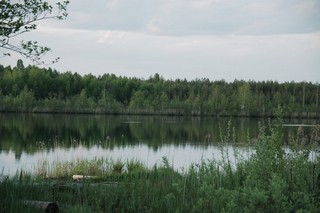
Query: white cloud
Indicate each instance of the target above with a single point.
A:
(153, 26)
(259, 8)
(306, 8)
(112, 4)
(203, 4)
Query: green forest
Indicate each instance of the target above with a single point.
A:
(34, 89)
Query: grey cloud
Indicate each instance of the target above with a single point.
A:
(196, 17)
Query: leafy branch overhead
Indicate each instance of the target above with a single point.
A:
(22, 17)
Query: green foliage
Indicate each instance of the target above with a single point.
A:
(135, 167)
(25, 99)
(245, 98)
(21, 17)
(137, 100)
(68, 92)
(118, 166)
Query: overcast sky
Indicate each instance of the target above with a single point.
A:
(216, 39)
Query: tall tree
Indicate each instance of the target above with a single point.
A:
(21, 17)
(20, 65)
(244, 96)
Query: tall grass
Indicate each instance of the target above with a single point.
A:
(272, 180)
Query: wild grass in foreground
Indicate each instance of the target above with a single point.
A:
(270, 181)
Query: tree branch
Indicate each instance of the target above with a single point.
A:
(19, 18)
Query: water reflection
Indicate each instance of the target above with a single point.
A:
(30, 132)
(27, 138)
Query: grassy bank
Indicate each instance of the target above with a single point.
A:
(270, 181)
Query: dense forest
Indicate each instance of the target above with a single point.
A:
(34, 89)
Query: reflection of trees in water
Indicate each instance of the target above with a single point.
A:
(17, 155)
(24, 132)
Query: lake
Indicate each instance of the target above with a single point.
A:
(29, 139)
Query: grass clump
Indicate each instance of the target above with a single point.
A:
(95, 167)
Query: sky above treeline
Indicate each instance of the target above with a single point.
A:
(216, 39)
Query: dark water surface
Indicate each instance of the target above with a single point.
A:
(27, 139)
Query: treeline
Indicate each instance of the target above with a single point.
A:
(34, 89)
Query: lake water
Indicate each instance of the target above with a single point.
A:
(27, 139)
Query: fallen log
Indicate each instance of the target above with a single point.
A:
(77, 187)
(46, 206)
(80, 185)
(81, 177)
